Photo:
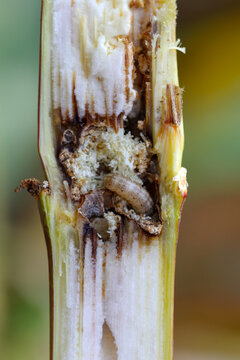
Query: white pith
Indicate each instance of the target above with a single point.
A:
(88, 58)
(119, 291)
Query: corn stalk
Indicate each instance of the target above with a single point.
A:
(111, 142)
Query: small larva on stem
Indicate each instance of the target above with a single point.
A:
(133, 193)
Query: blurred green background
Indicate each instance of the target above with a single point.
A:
(207, 311)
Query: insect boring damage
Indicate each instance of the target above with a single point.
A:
(132, 192)
(111, 141)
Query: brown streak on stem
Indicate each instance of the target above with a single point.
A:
(74, 99)
(90, 234)
(127, 92)
(173, 105)
(120, 241)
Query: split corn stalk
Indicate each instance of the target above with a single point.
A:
(111, 142)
